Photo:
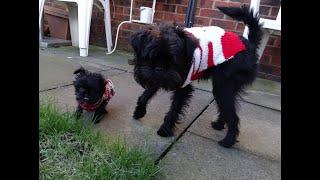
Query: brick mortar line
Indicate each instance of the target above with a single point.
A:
(238, 149)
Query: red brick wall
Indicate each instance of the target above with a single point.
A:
(174, 10)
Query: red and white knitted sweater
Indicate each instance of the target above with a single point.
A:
(215, 47)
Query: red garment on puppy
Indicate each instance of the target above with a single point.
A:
(107, 95)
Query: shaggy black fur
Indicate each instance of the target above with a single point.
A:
(89, 88)
(164, 60)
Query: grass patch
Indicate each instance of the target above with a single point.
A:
(70, 149)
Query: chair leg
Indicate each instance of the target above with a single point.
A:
(41, 19)
(73, 23)
(107, 25)
(41, 28)
(84, 21)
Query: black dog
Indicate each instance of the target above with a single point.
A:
(164, 61)
(93, 93)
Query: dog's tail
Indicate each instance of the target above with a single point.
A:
(246, 15)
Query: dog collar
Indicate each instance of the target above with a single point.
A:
(91, 107)
(107, 95)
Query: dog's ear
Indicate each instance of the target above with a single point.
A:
(151, 50)
(174, 42)
(80, 71)
(179, 44)
(190, 44)
(137, 39)
(145, 44)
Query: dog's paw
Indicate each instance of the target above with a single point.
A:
(139, 112)
(227, 142)
(77, 114)
(98, 118)
(217, 125)
(165, 132)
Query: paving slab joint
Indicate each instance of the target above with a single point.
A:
(163, 154)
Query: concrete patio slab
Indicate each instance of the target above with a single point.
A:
(194, 157)
(97, 55)
(119, 120)
(259, 84)
(263, 98)
(262, 92)
(260, 130)
(58, 71)
(54, 42)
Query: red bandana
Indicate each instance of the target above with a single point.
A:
(107, 95)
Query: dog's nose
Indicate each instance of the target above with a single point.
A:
(86, 98)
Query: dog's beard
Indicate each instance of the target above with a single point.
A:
(88, 99)
(148, 77)
(87, 95)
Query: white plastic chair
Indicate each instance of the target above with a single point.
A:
(41, 5)
(269, 25)
(131, 20)
(80, 12)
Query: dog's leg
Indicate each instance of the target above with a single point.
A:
(78, 112)
(225, 97)
(140, 110)
(219, 123)
(180, 100)
(100, 112)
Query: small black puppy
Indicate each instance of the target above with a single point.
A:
(172, 59)
(93, 93)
